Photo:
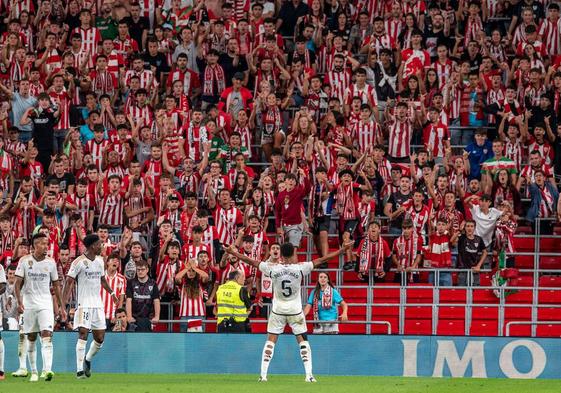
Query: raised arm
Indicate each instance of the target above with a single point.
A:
(232, 251)
(333, 254)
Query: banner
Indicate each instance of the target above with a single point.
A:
(410, 356)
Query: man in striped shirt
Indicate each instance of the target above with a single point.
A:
(112, 205)
(91, 36)
(118, 283)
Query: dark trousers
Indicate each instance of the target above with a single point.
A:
(231, 326)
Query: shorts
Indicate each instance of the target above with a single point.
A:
(89, 318)
(326, 328)
(277, 323)
(321, 224)
(35, 321)
(348, 226)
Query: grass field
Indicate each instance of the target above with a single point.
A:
(159, 383)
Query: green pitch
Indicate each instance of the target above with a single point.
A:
(158, 383)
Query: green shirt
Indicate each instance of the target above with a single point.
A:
(216, 145)
(107, 27)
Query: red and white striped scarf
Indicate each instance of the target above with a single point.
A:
(326, 300)
(214, 75)
(346, 202)
(371, 250)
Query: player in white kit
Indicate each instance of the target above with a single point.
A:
(2, 290)
(287, 302)
(34, 275)
(88, 273)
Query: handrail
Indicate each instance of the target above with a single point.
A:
(316, 322)
(533, 323)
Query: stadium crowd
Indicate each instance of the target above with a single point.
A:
(175, 128)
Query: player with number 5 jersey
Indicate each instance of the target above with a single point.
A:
(287, 301)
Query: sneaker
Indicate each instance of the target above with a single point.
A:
(87, 368)
(43, 374)
(49, 376)
(34, 377)
(310, 378)
(80, 375)
(20, 373)
(262, 379)
(349, 266)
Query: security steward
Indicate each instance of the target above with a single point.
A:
(233, 305)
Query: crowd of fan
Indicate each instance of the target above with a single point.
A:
(175, 128)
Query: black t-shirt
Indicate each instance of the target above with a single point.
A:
(137, 28)
(227, 64)
(159, 61)
(66, 180)
(397, 199)
(43, 125)
(143, 296)
(469, 251)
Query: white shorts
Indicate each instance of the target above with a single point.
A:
(326, 328)
(35, 321)
(89, 318)
(277, 323)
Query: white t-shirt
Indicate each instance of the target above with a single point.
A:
(87, 274)
(287, 285)
(485, 223)
(2, 281)
(37, 277)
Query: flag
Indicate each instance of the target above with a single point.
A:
(500, 279)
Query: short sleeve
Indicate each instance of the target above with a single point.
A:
(311, 297)
(337, 298)
(20, 270)
(306, 267)
(2, 275)
(74, 270)
(54, 272)
(265, 268)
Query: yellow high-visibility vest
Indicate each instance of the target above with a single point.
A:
(229, 303)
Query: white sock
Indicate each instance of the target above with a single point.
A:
(306, 355)
(1, 355)
(268, 351)
(94, 348)
(80, 354)
(32, 355)
(47, 351)
(22, 351)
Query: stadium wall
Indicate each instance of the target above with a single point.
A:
(411, 356)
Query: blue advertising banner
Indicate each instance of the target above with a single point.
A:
(411, 356)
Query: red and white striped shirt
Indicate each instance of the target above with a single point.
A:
(434, 136)
(443, 70)
(550, 34)
(64, 108)
(227, 221)
(366, 135)
(147, 79)
(189, 78)
(118, 284)
(400, 133)
(514, 151)
(95, 149)
(111, 209)
(143, 115)
(191, 251)
(406, 250)
(338, 81)
(91, 38)
(367, 94)
(191, 307)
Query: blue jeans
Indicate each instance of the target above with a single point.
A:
(444, 279)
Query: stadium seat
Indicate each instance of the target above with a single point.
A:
(485, 313)
(357, 294)
(418, 295)
(520, 296)
(452, 295)
(524, 261)
(548, 244)
(518, 330)
(418, 327)
(450, 327)
(380, 312)
(550, 281)
(383, 293)
(523, 281)
(484, 296)
(418, 312)
(352, 328)
(483, 328)
(549, 296)
(549, 330)
(351, 278)
(525, 230)
(524, 243)
(518, 313)
(451, 312)
(549, 314)
(383, 329)
(550, 262)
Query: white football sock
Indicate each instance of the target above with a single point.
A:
(47, 352)
(268, 351)
(22, 351)
(32, 355)
(306, 355)
(1, 355)
(94, 348)
(80, 354)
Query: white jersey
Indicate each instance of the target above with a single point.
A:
(87, 274)
(2, 281)
(37, 277)
(287, 285)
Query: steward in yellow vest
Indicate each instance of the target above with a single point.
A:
(233, 305)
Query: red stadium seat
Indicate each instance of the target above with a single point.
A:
(550, 281)
(351, 278)
(526, 230)
(524, 244)
(518, 313)
(518, 330)
(549, 244)
(485, 313)
(451, 312)
(523, 281)
(386, 293)
(525, 261)
(484, 296)
(549, 313)
(418, 312)
(418, 326)
(450, 327)
(550, 262)
(452, 295)
(483, 328)
(358, 294)
(383, 329)
(549, 296)
(549, 330)
(418, 295)
(521, 296)
(380, 312)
